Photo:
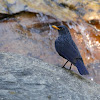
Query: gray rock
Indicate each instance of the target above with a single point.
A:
(26, 78)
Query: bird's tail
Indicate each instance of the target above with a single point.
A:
(81, 68)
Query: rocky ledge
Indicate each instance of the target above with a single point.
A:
(26, 78)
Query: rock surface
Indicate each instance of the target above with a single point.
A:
(61, 9)
(26, 78)
(25, 22)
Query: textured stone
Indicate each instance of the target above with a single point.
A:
(61, 9)
(26, 78)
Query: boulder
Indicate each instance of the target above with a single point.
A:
(27, 78)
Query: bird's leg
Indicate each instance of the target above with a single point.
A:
(70, 66)
(65, 63)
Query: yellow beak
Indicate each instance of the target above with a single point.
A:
(55, 27)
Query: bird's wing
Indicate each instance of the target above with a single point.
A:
(68, 50)
(74, 46)
(71, 42)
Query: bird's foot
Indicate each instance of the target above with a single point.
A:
(64, 64)
(70, 66)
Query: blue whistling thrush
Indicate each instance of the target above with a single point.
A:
(66, 48)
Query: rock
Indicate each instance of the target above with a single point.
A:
(26, 78)
(61, 9)
(25, 22)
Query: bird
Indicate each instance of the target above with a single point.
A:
(66, 48)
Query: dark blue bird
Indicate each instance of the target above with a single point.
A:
(66, 48)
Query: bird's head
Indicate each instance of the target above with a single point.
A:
(61, 29)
